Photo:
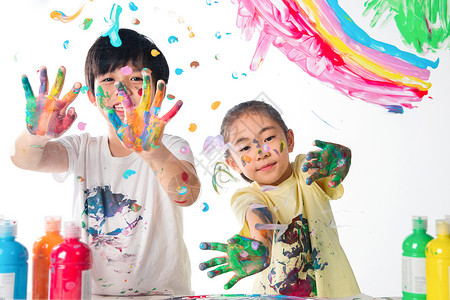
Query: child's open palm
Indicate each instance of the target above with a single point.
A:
(244, 256)
(142, 128)
(46, 113)
(333, 160)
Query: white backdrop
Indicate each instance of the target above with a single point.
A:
(400, 162)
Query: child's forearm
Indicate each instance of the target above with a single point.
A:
(260, 219)
(177, 177)
(38, 153)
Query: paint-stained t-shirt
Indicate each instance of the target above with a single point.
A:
(306, 256)
(134, 230)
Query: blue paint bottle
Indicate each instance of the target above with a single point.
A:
(13, 263)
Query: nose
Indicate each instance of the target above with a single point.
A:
(127, 89)
(261, 154)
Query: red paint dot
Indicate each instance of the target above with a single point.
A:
(140, 92)
(184, 177)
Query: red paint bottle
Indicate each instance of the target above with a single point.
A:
(70, 266)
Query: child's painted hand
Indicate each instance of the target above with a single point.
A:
(244, 256)
(143, 128)
(46, 113)
(333, 160)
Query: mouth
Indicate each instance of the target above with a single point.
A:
(267, 167)
(118, 108)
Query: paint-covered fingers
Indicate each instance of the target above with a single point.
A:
(219, 271)
(159, 96)
(213, 246)
(314, 177)
(67, 121)
(114, 118)
(29, 95)
(124, 97)
(231, 282)
(217, 261)
(320, 144)
(335, 181)
(311, 165)
(43, 79)
(146, 89)
(171, 113)
(72, 94)
(313, 155)
(59, 83)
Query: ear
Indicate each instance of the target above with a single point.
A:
(232, 163)
(91, 98)
(290, 140)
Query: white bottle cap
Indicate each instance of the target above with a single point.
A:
(420, 222)
(52, 223)
(442, 227)
(8, 228)
(72, 230)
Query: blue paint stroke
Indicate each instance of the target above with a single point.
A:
(324, 121)
(128, 173)
(359, 35)
(113, 22)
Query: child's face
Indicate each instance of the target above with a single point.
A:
(260, 149)
(107, 95)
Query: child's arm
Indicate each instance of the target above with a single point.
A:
(142, 132)
(46, 119)
(244, 256)
(332, 161)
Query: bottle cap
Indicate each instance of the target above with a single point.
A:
(52, 223)
(8, 228)
(442, 227)
(72, 230)
(420, 222)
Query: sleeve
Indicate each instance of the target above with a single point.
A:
(178, 147)
(73, 144)
(240, 202)
(326, 193)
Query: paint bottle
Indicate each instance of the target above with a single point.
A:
(70, 266)
(13, 263)
(41, 256)
(414, 285)
(438, 263)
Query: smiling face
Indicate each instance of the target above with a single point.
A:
(260, 149)
(106, 93)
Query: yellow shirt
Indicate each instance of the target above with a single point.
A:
(314, 262)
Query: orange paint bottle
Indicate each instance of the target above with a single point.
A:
(41, 256)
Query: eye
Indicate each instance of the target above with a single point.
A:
(246, 148)
(136, 79)
(108, 79)
(269, 138)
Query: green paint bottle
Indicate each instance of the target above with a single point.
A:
(414, 286)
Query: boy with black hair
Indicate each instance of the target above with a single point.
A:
(130, 184)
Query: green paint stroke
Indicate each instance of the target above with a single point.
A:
(424, 24)
(101, 97)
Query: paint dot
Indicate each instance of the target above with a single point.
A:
(66, 44)
(84, 89)
(244, 74)
(282, 146)
(255, 245)
(218, 35)
(80, 179)
(179, 71)
(173, 39)
(86, 24)
(191, 34)
(195, 64)
(126, 70)
(192, 127)
(133, 7)
(17, 57)
(81, 125)
(181, 190)
(140, 92)
(185, 150)
(128, 173)
(243, 253)
(204, 207)
(155, 52)
(215, 105)
(170, 96)
(185, 177)
(180, 20)
(265, 147)
(234, 75)
(135, 21)
(136, 207)
(217, 57)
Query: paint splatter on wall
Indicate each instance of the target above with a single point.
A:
(422, 24)
(324, 41)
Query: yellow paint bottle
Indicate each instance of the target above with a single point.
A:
(438, 263)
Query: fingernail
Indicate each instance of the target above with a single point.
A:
(308, 181)
(202, 266)
(211, 274)
(160, 86)
(304, 168)
(203, 246)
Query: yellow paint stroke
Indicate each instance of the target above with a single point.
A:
(60, 16)
(360, 59)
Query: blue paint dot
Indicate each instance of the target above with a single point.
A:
(84, 89)
(205, 207)
(218, 35)
(234, 75)
(173, 39)
(66, 44)
(133, 7)
(178, 71)
(128, 173)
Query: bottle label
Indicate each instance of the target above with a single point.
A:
(413, 275)
(86, 283)
(7, 285)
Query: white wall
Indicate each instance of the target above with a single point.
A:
(400, 162)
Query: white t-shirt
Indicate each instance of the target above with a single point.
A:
(134, 230)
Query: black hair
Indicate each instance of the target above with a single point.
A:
(103, 57)
(249, 107)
